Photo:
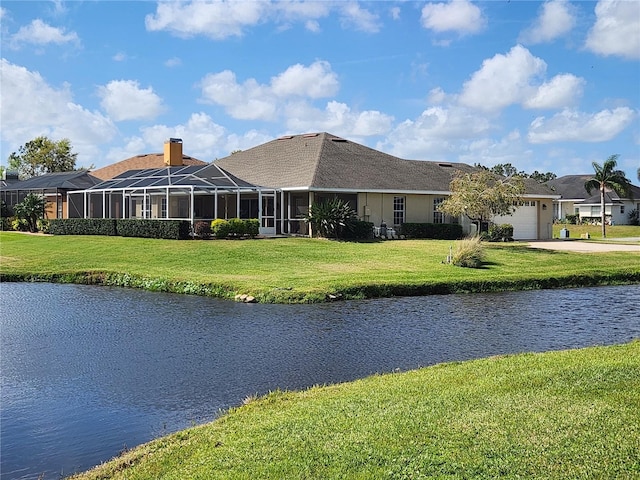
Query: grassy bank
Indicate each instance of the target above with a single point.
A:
(557, 415)
(300, 269)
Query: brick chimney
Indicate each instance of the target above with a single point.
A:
(173, 152)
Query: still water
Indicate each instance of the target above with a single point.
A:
(89, 371)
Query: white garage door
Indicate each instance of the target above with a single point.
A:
(524, 221)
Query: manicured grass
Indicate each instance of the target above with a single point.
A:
(557, 415)
(595, 231)
(300, 269)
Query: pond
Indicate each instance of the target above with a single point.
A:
(90, 371)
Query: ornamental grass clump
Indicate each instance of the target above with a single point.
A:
(469, 253)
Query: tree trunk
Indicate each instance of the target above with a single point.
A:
(602, 213)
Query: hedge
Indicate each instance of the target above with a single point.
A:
(167, 229)
(437, 231)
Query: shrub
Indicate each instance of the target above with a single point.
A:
(360, 230)
(468, 253)
(634, 217)
(220, 228)
(82, 226)
(331, 219)
(571, 219)
(43, 225)
(500, 233)
(202, 230)
(236, 227)
(436, 231)
(19, 225)
(252, 227)
(167, 229)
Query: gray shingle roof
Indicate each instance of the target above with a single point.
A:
(571, 187)
(322, 161)
(76, 180)
(325, 161)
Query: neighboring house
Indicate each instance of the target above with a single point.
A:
(276, 182)
(53, 186)
(172, 157)
(574, 200)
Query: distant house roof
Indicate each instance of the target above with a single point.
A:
(76, 180)
(571, 187)
(140, 162)
(322, 161)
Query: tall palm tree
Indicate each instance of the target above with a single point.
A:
(607, 177)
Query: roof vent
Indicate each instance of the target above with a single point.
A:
(340, 140)
(445, 165)
(310, 135)
(286, 137)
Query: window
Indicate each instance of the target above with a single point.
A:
(147, 207)
(398, 210)
(595, 211)
(163, 207)
(621, 208)
(438, 216)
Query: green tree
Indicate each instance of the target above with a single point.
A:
(482, 195)
(31, 209)
(608, 177)
(42, 155)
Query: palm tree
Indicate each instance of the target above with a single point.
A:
(607, 177)
(31, 209)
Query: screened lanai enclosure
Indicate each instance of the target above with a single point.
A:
(194, 193)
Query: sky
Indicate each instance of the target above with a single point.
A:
(550, 86)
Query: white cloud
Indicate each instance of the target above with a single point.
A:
(617, 29)
(253, 101)
(247, 101)
(202, 139)
(217, 20)
(570, 125)
(556, 19)
(125, 100)
(436, 133)
(40, 33)
(314, 81)
(31, 107)
(222, 19)
(395, 13)
(459, 16)
(173, 62)
(561, 91)
(354, 15)
(336, 118)
(120, 57)
(503, 80)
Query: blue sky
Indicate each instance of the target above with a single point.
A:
(547, 86)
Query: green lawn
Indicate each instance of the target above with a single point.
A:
(558, 415)
(616, 232)
(300, 269)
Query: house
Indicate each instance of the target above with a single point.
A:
(574, 200)
(313, 167)
(53, 186)
(277, 182)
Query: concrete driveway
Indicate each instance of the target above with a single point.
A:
(585, 247)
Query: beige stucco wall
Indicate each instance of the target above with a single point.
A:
(378, 207)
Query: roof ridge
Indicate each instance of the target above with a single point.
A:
(316, 163)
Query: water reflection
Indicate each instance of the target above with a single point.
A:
(87, 371)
